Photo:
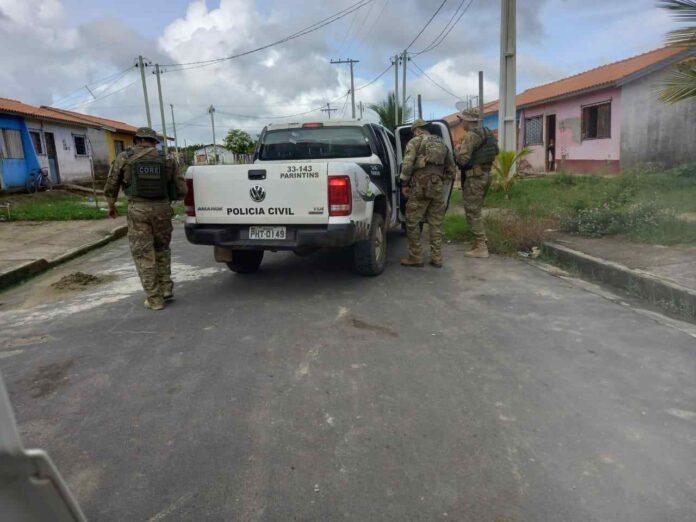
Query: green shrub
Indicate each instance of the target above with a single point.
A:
(563, 178)
(687, 170)
(609, 219)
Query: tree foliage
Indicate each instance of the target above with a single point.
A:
(386, 109)
(239, 142)
(681, 82)
(503, 169)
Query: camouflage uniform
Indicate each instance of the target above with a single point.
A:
(149, 221)
(477, 181)
(427, 182)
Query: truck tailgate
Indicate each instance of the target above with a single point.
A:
(269, 193)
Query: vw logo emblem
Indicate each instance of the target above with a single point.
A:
(257, 193)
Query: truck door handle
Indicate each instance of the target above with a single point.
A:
(257, 174)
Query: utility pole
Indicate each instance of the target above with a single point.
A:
(480, 99)
(507, 116)
(161, 104)
(420, 107)
(176, 139)
(362, 109)
(396, 90)
(403, 94)
(352, 80)
(147, 101)
(211, 111)
(328, 109)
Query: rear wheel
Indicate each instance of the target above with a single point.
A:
(245, 261)
(370, 256)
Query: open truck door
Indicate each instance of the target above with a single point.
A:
(403, 136)
(31, 489)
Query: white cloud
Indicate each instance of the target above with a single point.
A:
(297, 76)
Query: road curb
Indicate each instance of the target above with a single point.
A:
(33, 268)
(668, 295)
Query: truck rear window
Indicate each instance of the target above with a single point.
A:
(314, 143)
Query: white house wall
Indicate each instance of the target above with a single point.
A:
(653, 131)
(70, 166)
(100, 149)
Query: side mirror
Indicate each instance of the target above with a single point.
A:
(31, 488)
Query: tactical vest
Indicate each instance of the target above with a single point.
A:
(431, 151)
(487, 152)
(148, 177)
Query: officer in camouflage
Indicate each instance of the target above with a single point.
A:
(151, 182)
(475, 158)
(427, 169)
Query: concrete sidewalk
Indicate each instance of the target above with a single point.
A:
(30, 247)
(664, 275)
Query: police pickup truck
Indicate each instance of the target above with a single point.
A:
(312, 185)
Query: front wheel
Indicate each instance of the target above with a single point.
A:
(245, 261)
(370, 256)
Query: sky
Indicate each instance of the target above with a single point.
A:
(51, 49)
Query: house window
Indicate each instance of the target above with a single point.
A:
(534, 131)
(36, 140)
(11, 144)
(596, 121)
(119, 146)
(80, 145)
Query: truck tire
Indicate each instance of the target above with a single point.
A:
(245, 261)
(370, 256)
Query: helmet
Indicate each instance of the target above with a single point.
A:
(470, 115)
(418, 123)
(146, 133)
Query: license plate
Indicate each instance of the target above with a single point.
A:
(267, 233)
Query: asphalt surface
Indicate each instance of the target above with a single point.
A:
(489, 390)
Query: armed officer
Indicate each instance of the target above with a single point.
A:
(151, 182)
(475, 158)
(427, 169)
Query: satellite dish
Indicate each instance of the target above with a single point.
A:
(461, 105)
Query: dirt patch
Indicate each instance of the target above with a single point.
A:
(24, 341)
(362, 325)
(49, 378)
(78, 281)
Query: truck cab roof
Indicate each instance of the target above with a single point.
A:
(315, 123)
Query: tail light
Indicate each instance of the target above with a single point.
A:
(189, 200)
(340, 196)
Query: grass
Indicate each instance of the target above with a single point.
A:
(54, 205)
(644, 204)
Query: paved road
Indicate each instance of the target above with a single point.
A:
(486, 391)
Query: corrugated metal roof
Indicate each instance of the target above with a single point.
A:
(604, 76)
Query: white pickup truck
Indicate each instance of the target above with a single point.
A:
(312, 185)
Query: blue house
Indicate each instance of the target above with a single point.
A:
(17, 155)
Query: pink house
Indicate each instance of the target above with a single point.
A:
(607, 118)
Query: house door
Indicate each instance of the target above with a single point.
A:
(52, 157)
(550, 143)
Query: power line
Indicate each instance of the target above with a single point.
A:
(89, 102)
(426, 25)
(446, 31)
(434, 82)
(310, 29)
(93, 84)
(362, 26)
(375, 79)
(374, 21)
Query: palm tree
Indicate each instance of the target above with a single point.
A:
(385, 110)
(681, 83)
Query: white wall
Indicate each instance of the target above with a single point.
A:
(71, 166)
(225, 156)
(653, 131)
